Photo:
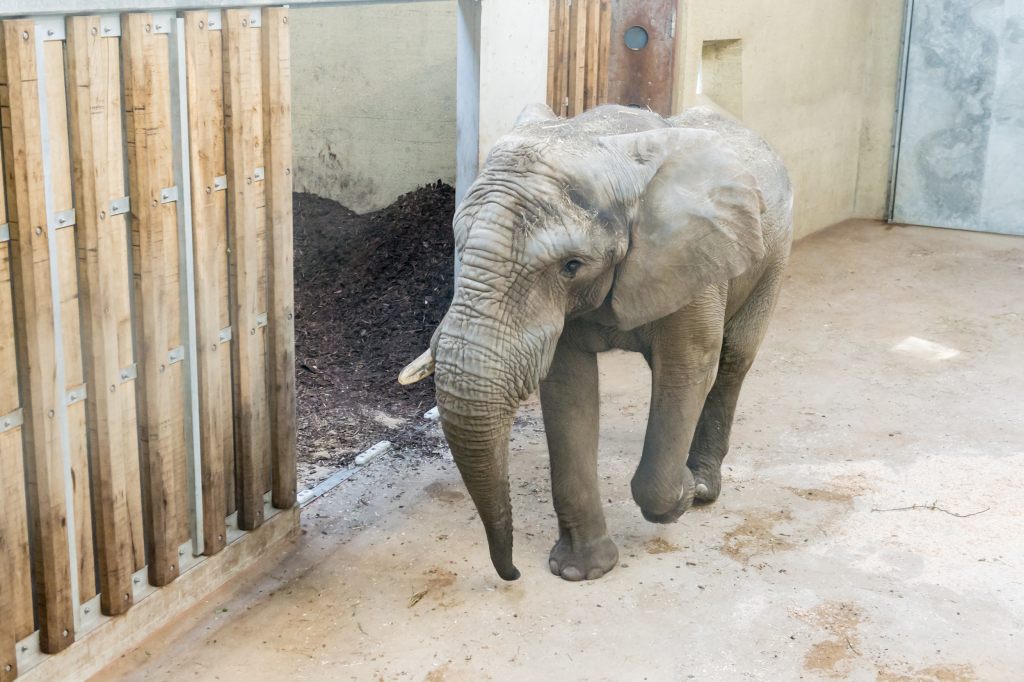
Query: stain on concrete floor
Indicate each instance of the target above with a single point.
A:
(792, 574)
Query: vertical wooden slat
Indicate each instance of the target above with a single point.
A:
(564, 35)
(593, 46)
(244, 124)
(209, 244)
(35, 337)
(577, 56)
(277, 126)
(154, 236)
(604, 36)
(59, 169)
(15, 578)
(553, 33)
(94, 78)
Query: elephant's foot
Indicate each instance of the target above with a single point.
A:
(583, 560)
(655, 503)
(707, 482)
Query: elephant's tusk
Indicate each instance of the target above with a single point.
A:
(417, 370)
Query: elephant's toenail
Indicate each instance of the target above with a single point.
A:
(701, 489)
(572, 573)
(594, 574)
(553, 565)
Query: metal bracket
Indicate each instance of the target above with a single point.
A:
(255, 19)
(130, 372)
(162, 22)
(76, 395)
(176, 355)
(5, 232)
(261, 320)
(213, 22)
(225, 334)
(119, 206)
(62, 219)
(168, 194)
(110, 25)
(50, 28)
(11, 420)
(220, 183)
(257, 174)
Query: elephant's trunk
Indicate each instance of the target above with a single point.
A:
(477, 409)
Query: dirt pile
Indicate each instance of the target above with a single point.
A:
(369, 291)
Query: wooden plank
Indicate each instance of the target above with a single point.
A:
(604, 36)
(553, 33)
(155, 246)
(94, 84)
(35, 337)
(577, 56)
(203, 62)
(15, 572)
(593, 46)
(563, 58)
(277, 127)
(244, 125)
(70, 317)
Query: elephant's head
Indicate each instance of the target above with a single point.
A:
(568, 219)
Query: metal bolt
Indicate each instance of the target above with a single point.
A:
(103, 215)
(290, 316)
(284, 20)
(163, 196)
(162, 368)
(159, 27)
(209, 189)
(8, 668)
(202, 24)
(113, 388)
(127, 596)
(50, 414)
(148, 28)
(93, 30)
(106, 29)
(62, 220)
(72, 396)
(245, 22)
(49, 31)
(24, 35)
(155, 202)
(7, 423)
(136, 581)
(39, 230)
(181, 552)
(213, 346)
(287, 171)
(248, 180)
(65, 633)
(85, 609)
(252, 332)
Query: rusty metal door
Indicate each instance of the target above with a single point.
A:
(641, 54)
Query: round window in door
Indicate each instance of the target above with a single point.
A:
(636, 37)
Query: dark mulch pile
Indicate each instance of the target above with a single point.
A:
(369, 291)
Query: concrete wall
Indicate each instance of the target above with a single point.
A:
(373, 88)
(819, 82)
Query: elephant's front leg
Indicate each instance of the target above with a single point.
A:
(683, 359)
(570, 402)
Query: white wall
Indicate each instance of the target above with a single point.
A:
(513, 63)
(373, 92)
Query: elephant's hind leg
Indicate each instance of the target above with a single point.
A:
(570, 402)
(742, 337)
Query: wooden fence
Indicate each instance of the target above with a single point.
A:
(146, 321)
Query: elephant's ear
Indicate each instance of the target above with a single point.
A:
(696, 220)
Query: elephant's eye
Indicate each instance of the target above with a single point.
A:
(571, 266)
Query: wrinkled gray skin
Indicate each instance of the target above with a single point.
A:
(615, 229)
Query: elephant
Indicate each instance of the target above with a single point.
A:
(615, 229)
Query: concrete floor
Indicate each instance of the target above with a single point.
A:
(892, 381)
